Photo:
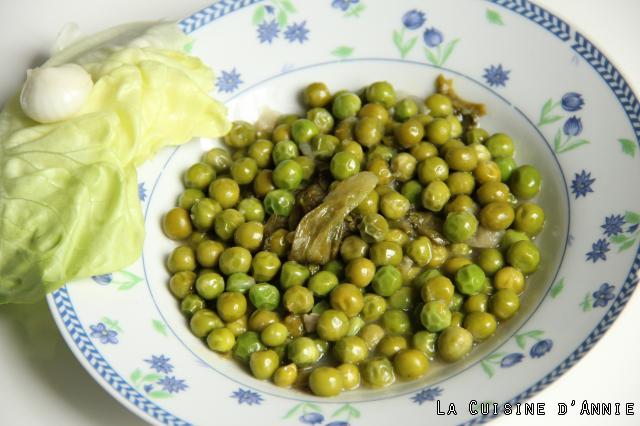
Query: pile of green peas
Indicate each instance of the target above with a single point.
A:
(392, 300)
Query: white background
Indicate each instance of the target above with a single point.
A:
(42, 383)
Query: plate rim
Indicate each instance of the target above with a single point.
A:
(83, 348)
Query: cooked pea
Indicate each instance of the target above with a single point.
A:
(218, 158)
(293, 274)
(410, 364)
(203, 321)
(432, 169)
(353, 247)
(490, 260)
(303, 351)
(264, 296)
(280, 202)
(460, 227)
(438, 131)
(524, 255)
(345, 105)
(470, 279)
(176, 224)
(497, 216)
(509, 278)
(405, 109)
(221, 340)
(529, 218)
(378, 372)
(241, 135)
(298, 300)
(504, 304)
(454, 343)
(244, 170)
(181, 283)
(246, 344)
(437, 288)
(396, 321)
(263, 183)
(316, 95)
(265, 265)
(285, 376)
(225, 191)
(460, 183)
(210, 285)
(500, 145)
(525, 182)
(425, 341)
(350, 376)
(322, 283)
(261, 319)
(435, 196)
(191, 304)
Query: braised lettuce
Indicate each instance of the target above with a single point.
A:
(69, 204)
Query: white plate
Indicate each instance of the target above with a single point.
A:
(567, 107)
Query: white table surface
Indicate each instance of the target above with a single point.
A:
(42, 383)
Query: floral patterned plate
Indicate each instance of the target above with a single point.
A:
(570, 112)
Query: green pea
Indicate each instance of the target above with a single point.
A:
(199, 176)
(435, 316)
(405, 109)
(303, 130)
(181, 283)
(280, 202)
(244, 170)
(470, 279)
(378, 372)
(274, 334)
(525, 256)
(481, 325)
(373, 228)
(460, 226)
(246, 344)
(324, 146)
(260, 151)
(387, 280)
(235, 259)
(425, 341)
(210, 285)
(322, 283)
(344, 165)
(396, 321)
(490, 260)
(189, 197)
(316, 95)
(226, 223)
(322, 119)
(303, 351)
(292, 274)
(326, 381)
(287, 174)
(241, 135)
(332, 325)
(374, 307)
(265, 266)
(231, 306)
(412, 191)
(203, 321)
(308, 166)
(435, 196)
(252, 210)
(500, 145)
(439, 105)
(438, 131)
(504, 304)
(511, 237)
(355, 325)
(506, 165)
(264, 296)
(345, 105)
(475, 136)
(525, 182)
(298, 300)
(529, 218)
(410, 364)
(403, 298)
(336, 267)
(386, 253)
(263, 364)
(391, 344)
(218, 158)
(191, 304)
(221, 340)
(381, 92)
(284, 150)
(454, 343)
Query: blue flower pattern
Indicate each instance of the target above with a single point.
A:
(603, 295)
(613, 225)
(581, 184)
(427, 394)
(160, 363)
(228, 81)
(511, 359)
(432, 37)
(246, 396)
(268, 31)
(104, 334)
(104, 279)
(598, 251)
(496, 76)
(142, 192)
(343, 4)
(573, 126)
(297, 32)
(540, 348)
(572, 102)
(172, 385)
(413, 19)
(311, 418)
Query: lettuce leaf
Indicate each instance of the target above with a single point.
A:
(69, 204)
